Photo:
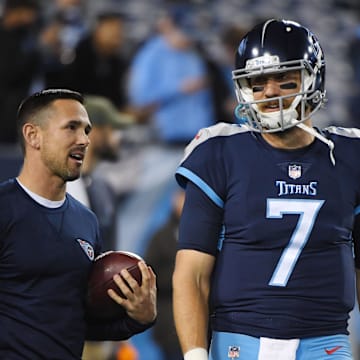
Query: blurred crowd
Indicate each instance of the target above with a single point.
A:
(156, 71)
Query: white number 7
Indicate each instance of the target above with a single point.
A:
(307, 210)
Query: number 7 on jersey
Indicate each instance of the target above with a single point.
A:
(307, 211)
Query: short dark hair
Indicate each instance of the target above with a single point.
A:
(40, 100)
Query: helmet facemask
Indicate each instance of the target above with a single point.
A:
(305, 102)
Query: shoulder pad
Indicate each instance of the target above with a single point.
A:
(218, 130)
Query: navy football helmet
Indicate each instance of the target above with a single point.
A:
(276, 46)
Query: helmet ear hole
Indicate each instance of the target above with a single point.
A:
(240, 114)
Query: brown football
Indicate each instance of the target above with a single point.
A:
(106, 265)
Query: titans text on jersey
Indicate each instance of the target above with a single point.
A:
(296, 189)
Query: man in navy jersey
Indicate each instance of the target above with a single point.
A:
(48, 241)
(271, 215)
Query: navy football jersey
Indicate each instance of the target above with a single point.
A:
(45, 258)
(284, 251)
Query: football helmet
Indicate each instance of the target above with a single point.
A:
(277, 46)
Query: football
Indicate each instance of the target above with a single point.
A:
(106, 265)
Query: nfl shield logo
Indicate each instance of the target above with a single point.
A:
(234, 352)
(294, 171)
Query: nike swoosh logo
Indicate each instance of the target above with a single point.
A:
(331, 351)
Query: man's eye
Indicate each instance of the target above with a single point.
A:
(257, 88)
(288, 86)
(72, 127)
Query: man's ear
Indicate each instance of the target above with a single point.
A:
(31, 135)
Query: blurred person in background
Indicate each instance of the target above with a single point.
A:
(169, 74)
(160, 254)
(75, 23)
(20, 60)
(65, 24)
(169, 79)
(92, 189)
(99, 67)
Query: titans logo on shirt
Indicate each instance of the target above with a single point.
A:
(88, 249)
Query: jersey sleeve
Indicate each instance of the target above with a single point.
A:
(204, 166)
(347, 147)
(201, 222)
(202, 173)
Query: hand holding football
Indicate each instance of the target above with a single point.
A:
(106, 265)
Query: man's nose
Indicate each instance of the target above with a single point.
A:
(83, 138)
(271, 88)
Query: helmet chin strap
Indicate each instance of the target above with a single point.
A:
(322, 138)
(287, 113)
(288, 117)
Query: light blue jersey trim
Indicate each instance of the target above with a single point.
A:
(221, 238)
(202, 185)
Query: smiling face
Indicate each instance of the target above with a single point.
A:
(63, 138)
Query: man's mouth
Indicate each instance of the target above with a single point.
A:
(271, 107)
(78, 156)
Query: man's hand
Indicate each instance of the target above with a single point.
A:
(140, 303)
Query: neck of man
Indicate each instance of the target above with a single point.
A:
(49, 186)
(293, 138)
